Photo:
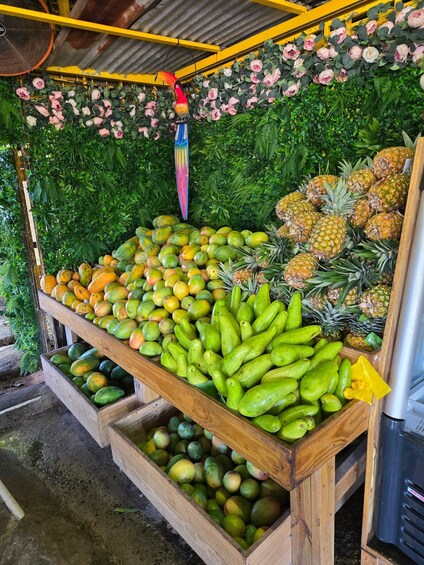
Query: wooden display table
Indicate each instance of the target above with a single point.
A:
(307, 469)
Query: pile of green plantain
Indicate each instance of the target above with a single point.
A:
(255, 356)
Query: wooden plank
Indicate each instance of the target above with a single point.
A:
(95, 420)
(385, 355)
(210, 542)
(350, 474)
(372, 557)
(144, 393)
(259, 447)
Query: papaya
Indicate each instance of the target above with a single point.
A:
(125, 328)
(75, 304)
(47, 283)
(115, 294)
(68, 298)
(165, 220)
(98, 284)
(59, 359)
(126, 250)
(123, 279)
(108, 394)
(93, 352)
(96, 381)
(76, 350)
(104, 322)
(102, 308)
(119, 310)
(81, 293)
(63, 276)
(261, 398)
(85, 272)
(160, 235)
(81, 366)
(72, 284)
(83, 309)
(58, 292)
(151, 349)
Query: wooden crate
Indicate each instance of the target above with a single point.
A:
(287, 464)
(95, 420)
(207, 539)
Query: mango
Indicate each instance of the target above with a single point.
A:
(124, 329)
(265, 512)
(182, 471)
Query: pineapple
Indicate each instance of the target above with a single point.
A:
(359, 178)
(334, 296)
(283, 231)
(298, 208)
(332, 319)
(362, 212)
(390, 193)
(287, 201)
(317, 188)
(328, 235)
(232, 274)
(299, 269)
(375, 301)
(383, 254)
(391, 160)
(300, 227)
(278, 249)
(242, 276)
(384, 226)
(357, 342)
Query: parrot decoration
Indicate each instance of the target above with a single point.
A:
(181, 139)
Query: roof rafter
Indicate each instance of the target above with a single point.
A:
(101, 28)
(283, 5)
(103, 75)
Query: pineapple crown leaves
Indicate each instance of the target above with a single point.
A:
(339, 201)
(332, 319)
(408, 141)
(383, 253)
(363, 325)
(346, 168)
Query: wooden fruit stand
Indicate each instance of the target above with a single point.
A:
(307, 469)
(370, 555)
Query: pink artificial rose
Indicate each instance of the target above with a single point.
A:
(401, 53)
(290, 52)
(206, 83)
(104, 132)
(387, 25)
(292, 90)
(55, 104)
(371, 26)
(416, 18)
(149, 112)
(298, 68)
(23, 93)
(215, 115)
(42, 109)
(57, 95)
(370, 54)
(58, 126)
(254, 78)
(58, 115)
(342, 76)
(253, 88)
(332, 52)
(340, 33)
(256, 66)
(402, 14)
(224, 108)
(97, 121)
(141, 97)
(323, 54)
(213, 94)
(355, 53)
(212, 103)
(107, 103)
(418, 54)
(95, 94)
(38, 83)
(309, 42)
(151, 105)
(118, 134)
(316, 79)
(99, 109)
(156, 136)
(108, 112)
(154, 122)
(251, 101)
(233, 101)
(53, 120)
(269, 80)
(276, 75)
(326, 76)
(231, 110)
(144, 131)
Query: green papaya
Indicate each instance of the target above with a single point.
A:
(259, 399)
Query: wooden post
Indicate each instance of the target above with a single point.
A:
(312, 506)
(35, 259)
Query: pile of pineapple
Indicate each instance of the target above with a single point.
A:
(338, 244)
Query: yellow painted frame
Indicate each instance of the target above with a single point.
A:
(283, 5)
(102, 75)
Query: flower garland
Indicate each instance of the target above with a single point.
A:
(392, 36)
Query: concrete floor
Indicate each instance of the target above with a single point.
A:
(70, 490)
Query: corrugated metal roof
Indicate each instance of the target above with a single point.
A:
(219, 22)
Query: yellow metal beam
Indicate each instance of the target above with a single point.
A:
(101, 28)
(289, 28)
(63, 7)
(283, 5)
(100, 75)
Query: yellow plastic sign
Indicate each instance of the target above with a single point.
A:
(366, 382)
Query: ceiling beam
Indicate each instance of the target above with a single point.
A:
(283, 5)
(289, 28)
(101, 28)
(101, 75)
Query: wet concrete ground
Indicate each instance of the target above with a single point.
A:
(70, 490)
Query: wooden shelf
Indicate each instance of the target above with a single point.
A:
(287, 464)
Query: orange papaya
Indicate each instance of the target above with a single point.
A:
(58, 291)
(83, 309)
(136, 273)
(63, 276)
(47, 283)
(136, 338)
(102, 308)
(98, 284)
(81, 293)
(81, 366)
(72, 284)
(95, 297)
(123, 279)
(68, 297)
(107, 260)
(75, 276)
(75, 304)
